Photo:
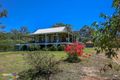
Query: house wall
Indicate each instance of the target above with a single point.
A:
(53, 38)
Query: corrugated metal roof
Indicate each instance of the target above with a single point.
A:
(50, 30)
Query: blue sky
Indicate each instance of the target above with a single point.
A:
(44, 13)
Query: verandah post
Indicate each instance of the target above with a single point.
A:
(57, 39)
(68, 37)
(72, 37)
(45, 40)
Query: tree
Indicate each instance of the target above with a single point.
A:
(23, 33)
(15, 34)
(19, 34)
(107, 34)
(24, 30)
(3, 13)
(85, 33)
(68, 26)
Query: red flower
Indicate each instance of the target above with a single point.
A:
(75, 48)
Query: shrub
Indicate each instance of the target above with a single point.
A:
(30, 47)
(42, 65)
(9, 44)
(45, 49)
(24, 48)
(53, 48)
(74, 50)
(34, 47)
(61, 48)
(6, 45)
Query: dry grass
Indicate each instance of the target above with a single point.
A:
(117, 59)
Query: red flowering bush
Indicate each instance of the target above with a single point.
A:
(74, 50)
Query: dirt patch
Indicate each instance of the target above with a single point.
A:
(87, 69)
(90, 71)
(117, 59)
(92, 78)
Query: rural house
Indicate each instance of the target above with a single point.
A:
(53, 36)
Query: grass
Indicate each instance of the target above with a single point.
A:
(89, 50)
(13, 62)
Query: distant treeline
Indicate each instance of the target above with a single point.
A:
(8, 40)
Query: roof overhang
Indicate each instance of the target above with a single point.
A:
(50, 30)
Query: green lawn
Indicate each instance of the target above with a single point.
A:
(13, 62)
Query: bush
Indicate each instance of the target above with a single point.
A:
(6, 45)
(30, 47)
(74, 50)
(34, 47)
(42, 65)
(45, 49)
(24, 48)
(9, 45)
(61, 48)
(53, 48)
(73, 59)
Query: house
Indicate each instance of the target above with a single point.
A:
(89, 43)
(52, 36)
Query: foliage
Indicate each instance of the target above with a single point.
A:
(68, 26)
(61, 48)
(23, 30)
(24, 48)
(6, 47)
(3, 13)
(53, 48)
(74, 50)
(42, 65)
(73, 58)
(45, 49)
(30, 47)
(19, 34)
(86, 33)
(8, 44)
(33, 47)
(9, 39)
(107, 34)
(116, 4)
(56, 48)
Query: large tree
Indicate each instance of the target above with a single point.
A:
(107, 35)
(86, 33)
(24, 30)
(19, 34)
(3, 13)
(68, 26)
